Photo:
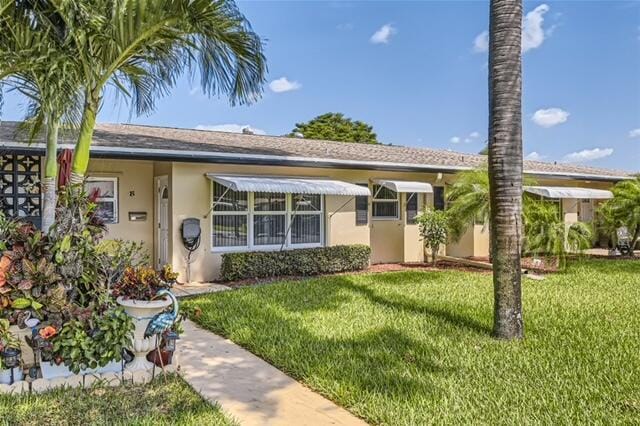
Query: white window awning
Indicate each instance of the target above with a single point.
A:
(289, 185)
(405, 186)
(569, 192)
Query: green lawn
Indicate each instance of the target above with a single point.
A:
(159, 403)
(415, 347)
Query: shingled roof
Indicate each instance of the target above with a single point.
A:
(136, 141)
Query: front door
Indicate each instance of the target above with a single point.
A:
(162, 219)
(586, 211)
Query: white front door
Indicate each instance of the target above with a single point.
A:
(586, 211)
(162, 219)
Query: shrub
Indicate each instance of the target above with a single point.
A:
(433, 230)
(312, 261)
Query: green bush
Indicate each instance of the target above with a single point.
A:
(312, 261)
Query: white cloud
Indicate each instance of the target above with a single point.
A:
(635, 133)
(474, 135)
(230, 128)
(550, 117)
(534, 156)
(587, 155)
(454, 139)
(284, 85)
(481, 42)
(533, 33)
(383, 35)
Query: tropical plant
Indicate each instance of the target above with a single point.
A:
(505, 164)
(93, 338)
(7, 339)
(624, 208)
(141, 283)
(115, 256)
(335, 127)
(34, 62)
(141, 47)
(546, 233)
(468, 201)
(433, 225)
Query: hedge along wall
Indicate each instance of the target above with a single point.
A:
(312, 261)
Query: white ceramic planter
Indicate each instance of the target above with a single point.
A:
(49, 370)
(142, 311)
(5, 376)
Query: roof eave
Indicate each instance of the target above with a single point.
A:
(289, 161)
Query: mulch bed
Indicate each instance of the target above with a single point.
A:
(443, 265)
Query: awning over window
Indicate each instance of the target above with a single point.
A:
(289, 185)
(569, 192)
(405, 186)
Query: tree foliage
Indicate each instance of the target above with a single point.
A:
(335, 127)
(623, 209)
(546, 232)
(433, 225)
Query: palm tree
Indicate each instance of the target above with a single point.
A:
(624, 208)
(547, 233)
(505, 164)
(468, 201)
(33, 62)
(141, 47)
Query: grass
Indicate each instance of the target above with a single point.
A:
(408, 348)
(158, 403)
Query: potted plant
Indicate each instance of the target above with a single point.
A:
(10, 368)
(136, 293)
(91, 342)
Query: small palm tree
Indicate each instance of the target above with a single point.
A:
(141, 47)
(468, 201)
(546, 233)
(624, 208)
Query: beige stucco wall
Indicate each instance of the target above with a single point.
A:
(391, 240)
(135, 194)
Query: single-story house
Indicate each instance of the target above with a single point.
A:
(252, 192)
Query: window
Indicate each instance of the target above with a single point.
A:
(266, 220)
(105, 191)
(412, 207)
(385, 203)
(362, 208)
(438, 198)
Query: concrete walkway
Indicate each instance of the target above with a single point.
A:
(249, 389)
(193, 289)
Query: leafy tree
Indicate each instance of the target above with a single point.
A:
(547, 233)
(433, 226)
(505, 164)
(141, 47)
(335, 127)
(624, 208)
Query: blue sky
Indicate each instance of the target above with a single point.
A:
(417, 71)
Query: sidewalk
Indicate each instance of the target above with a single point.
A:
(249, 389)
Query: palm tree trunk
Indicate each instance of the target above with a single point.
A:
(50, 175)
(83, 144)
(505, 164)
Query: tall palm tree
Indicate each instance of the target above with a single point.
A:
(35, 63)
(505, 164)
(141, 47)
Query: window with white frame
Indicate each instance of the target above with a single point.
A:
(265, 220)
(385, 203)
(105, 192)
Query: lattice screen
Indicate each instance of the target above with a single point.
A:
(20, 187)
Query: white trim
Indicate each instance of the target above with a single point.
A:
(115, 199)
(199, 155)
(287, 185)
(569, 192)
(405, 186)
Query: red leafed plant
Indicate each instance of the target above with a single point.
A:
(141, 283)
